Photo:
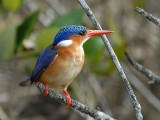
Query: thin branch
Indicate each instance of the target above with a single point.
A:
(154, 79)
(3, 115)
(96, 114)
(149, 16)
(132, 96)
(146, 93)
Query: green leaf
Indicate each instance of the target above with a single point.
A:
(94, 48)
(46, 37)
(96, 58)
(7, 43)
(105, 66)
(139, 3)
(26, 28)
(12, 5)
(74, 17)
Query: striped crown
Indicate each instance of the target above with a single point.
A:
(68, 31)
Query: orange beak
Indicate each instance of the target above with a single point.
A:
(97, 32)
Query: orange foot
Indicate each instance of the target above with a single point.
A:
(68, 98)
(46, 89)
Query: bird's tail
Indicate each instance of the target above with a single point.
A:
(25, 82)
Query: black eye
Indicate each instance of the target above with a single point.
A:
(82, 33)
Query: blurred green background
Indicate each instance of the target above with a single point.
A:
(27, 27)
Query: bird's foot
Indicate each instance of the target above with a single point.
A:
(46, 89)
(68, 98)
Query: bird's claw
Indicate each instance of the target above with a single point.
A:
(46, 89)
(68, 99)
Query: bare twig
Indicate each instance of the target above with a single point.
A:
(99, 93)
(150, 17)
(154, 79)
(132, 96)
(152, 99)
(96, 114)
(3, 115)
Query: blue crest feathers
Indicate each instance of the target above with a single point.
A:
(68, 31)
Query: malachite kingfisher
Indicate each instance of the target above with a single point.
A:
(62, 60)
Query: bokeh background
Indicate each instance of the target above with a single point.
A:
(27, 27)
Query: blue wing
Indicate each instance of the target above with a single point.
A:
(43, 62)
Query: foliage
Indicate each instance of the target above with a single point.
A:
(12, 5)
(71, 18)
(45, 37)
(7, 43)
(139, 3)
(26, 28)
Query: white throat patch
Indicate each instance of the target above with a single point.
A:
(65, 43)
(84, 41)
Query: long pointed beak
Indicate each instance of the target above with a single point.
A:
(97, 32)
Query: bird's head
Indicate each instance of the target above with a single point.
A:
(75, 33)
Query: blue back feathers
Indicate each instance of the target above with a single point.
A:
(68, 31)
(44, 60)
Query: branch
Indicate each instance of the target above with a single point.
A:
(150, 17)
(96, 114)
(154, 79)
(132, 96)
(146, 93)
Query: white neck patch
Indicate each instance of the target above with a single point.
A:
(84, 41)
(65, 43)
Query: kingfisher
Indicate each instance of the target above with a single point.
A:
(62, 60)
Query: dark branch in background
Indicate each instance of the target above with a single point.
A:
(132, 96)
(143, 90)
(96, 114)
(148, 16)
(154, 79)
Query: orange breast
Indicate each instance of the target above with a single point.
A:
(64, 68)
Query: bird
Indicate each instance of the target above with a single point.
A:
(59, 64)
